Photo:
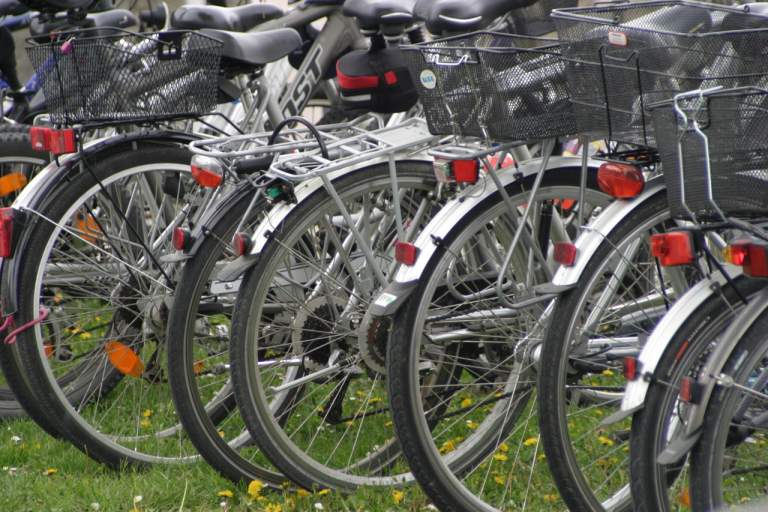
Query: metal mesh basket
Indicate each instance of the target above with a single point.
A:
(621, 58)
(534, 20)
(491, 85)
(735, 123)
(123, 77)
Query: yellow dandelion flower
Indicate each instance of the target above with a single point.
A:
(226, 493)
(50, 471)
(605, 441)
(397, 496)
(302, 493)
(447, 447)
(531, 441)
(472, 425)
(85, 335)
(323, 492)
(504, 447)
(466, 403)
(254, 488)
(608, 372)
(550, 498)
(147, 413)
(145, 423)
(273, 507)
(500, 457)
(374, 400)
(499, 479)
(388, 424)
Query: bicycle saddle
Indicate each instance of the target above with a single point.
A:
(115, 18)
(57, 5)
(371, 14)
(256, 48)
(237, 19)
(443, 16)
(12, 8)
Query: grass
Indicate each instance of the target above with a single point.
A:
(39, 473)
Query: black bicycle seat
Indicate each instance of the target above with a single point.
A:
(237, 19)
(115, 18)
(57, 5)
(443, 16)
(12, 8)
(371, 14)
(256, 48)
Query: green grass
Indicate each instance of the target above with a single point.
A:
(76, 483)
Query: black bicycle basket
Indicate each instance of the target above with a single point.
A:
(492, 85)
(92, 77)
(621, 58)
(735, 123)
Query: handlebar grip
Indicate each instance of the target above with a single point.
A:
(154, 17)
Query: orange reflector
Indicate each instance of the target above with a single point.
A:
(622, 181)
(675, 248)
(684, 498)
(48, 348)
(124, 359)
(198, 367)
(87, 227)
(12, 182)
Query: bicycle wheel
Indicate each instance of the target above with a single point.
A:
(728, 463)
(198, 352)
(657, 487)
(460, 374)
(19, 163)
(618, 300)
(93, 260)
(309, 400)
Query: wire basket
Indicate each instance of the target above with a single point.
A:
(534, 20)
(734, 125)
(621, 58)
(492, 85)
(92, 77)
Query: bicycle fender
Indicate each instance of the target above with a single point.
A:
(707, 379)
(594, 234)
(659, 340)
(39, 191)
(407, 277)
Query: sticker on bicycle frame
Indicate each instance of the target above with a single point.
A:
(428, 79)
(617, 38)
(385, 299)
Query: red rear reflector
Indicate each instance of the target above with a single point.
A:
(622, 181)
(205, 177)
(688, 388)
(241, 243)
(406, 253)
(58, 142)
(465, 171)
(39, 138)
(565, 253)
(673, 249)
(6, 232)
(630, 368)
(390, 77)
(756, 261)
(182, 239)
(356, 82)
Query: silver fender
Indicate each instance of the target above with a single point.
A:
(407, 277)
(594, 234)
(665, 330)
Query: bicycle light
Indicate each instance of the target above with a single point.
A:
(620, 180)
(751, 256)
(182, 239)
(673, 249)
(457, 171)
(6, 232)
(206, 171)
(241, 244)
(406, 253)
